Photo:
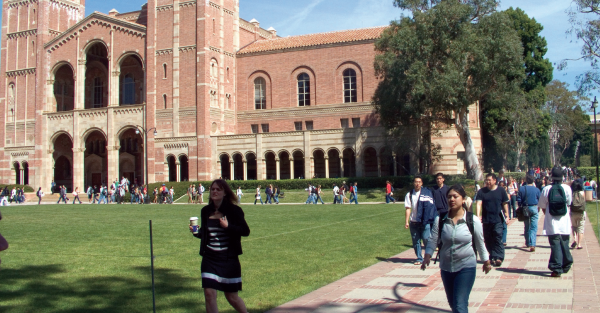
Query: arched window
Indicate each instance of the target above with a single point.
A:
(98, 92)
(214, 68)
(165, 70)
(11, 103)
(303, 90)
(32, 47)
(165, 101)
(349, 86)
(260, 98)
(128, 90)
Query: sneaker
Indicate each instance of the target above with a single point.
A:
(555, 274)
(531, 249)
(498, 263)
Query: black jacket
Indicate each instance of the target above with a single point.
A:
(236, 229)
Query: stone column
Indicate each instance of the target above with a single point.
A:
(22, 176)
(78, 167)
(178, 170)
(80, 85)
(112, 155)
(231, 168)
(326, 167)
(311, 168)
(342, 166)
(277, 169)
(291, 168)
(378, 166)
(245, 169)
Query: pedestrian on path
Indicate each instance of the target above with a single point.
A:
(76, 195)
(336, 194)
(354, 193)
(577, 215)
(39, 194)
(222, 227)
(389, 192)
(63, 195)
(420, 215)
(257, 196)
(317, 195)
(528, 197)
(459, 239)
(555, 202)
(240, 194)
(439, 194)
(492, 207)
(512, 191)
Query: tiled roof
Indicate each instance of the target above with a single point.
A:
(313, 40)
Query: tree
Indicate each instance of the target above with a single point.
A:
(566, 114)
(585, 25)
(439, 62)
(506, 127)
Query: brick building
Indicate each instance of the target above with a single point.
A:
(218, 96)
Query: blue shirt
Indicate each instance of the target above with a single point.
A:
(440, 200)
(533, 195)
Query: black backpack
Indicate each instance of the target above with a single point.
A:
(557, 201)
(469, 220)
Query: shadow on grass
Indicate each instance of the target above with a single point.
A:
(43, 288)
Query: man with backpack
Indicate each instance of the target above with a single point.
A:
(555, 201)
(354, 193)
(528, 198)
(492, 207)
(420, 215)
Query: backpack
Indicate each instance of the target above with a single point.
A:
(557, 200)
(469, 220)
(578, 205)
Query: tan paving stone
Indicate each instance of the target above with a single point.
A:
(542, 298)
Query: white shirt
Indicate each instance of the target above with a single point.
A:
(411, 203)
(560, 225)
(239, 192)
(336, 191)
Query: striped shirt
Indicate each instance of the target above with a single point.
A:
(218, 240)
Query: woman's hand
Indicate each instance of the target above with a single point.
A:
(426, 261)
(224, 222)
(487, 266)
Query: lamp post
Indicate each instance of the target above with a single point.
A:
(594, 105)
(139, 129)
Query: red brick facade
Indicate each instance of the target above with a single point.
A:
(76, 89)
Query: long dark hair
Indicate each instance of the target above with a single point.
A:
(461, 191)
(229, 195)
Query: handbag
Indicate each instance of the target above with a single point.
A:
(523, 210)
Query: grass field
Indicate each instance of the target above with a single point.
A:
(593, 218)
(65, 258)
(299, 196)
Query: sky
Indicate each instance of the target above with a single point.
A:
(291, 18)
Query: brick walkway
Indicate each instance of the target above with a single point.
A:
(521, 284)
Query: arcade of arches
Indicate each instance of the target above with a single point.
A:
(329, 163)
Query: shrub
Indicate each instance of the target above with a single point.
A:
(27, 188)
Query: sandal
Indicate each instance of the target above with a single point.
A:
(417, 263)
(579, 247)
(573, 245)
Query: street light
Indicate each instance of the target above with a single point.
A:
(595, 105)
(139, 129)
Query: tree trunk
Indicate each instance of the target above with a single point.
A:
(471, 159)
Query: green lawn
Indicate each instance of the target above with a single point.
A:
(593, 218)
(65, 258)
(299, 196)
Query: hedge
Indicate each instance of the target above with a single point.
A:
(27, 188)
(291, 184)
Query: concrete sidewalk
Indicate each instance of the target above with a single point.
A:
(521, 284)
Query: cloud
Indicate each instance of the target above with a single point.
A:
(290, 24)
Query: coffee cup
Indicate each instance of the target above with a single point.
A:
(194, 224)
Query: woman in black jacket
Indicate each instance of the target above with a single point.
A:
(222, 226)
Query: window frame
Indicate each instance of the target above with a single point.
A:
(303, 88)
(309, 125)
(355, 125)
(260, 100)
(254, 128)
(264, 128)
(350, 85)
(98, 87)
(296, 124)
(344, 121)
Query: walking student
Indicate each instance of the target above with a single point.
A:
(257, 196)
(492, 206)
(512, 191)
(76, 195)
(389, 192)
(529, 197)
(439, 194)
(239, 194)
(420, 215)
(354, 193)
(459, 236)
(336, 194)
(39, 194)
(222, 226)
(577, 215)
(555, 201)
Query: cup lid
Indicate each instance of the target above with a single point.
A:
(193, 218)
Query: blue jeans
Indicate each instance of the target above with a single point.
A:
(268, 199)
(458, 287)
(337, 199)
(560, 255)
(354, 198)
(492, 237)
(259, 198)
(512, 208)
(317, 199)
(531, 226)
(309, 200)
(419, 232)
(504, 233)
(276, 198)
(389, 198)
(240, 199)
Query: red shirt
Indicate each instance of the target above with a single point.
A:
(388, 188)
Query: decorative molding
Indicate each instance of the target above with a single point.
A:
(214, 5)
(179, 145)
(163, 8)
(17, 3)
(215, 112)
(228, 11)
(284, 134)
(329, 131)
(187, 48)
(187, 112)
(18, 154)
(53, 32)
(164, 51)
(215, 49)
(95, 113)
(23, 33)
(247, 136)
(93, 19)
(316, 111)
(20, 148)
(128, 109)
(68, 4)
(21, 72)
(20, 126)
(164, 114)
(229, 54)
(172, 139)
(81, 62)
(187, 4)
(241, 54)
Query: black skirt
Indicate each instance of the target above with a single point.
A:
(221, 272)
